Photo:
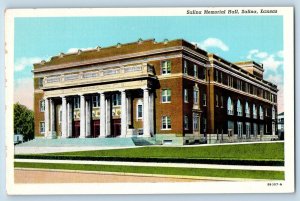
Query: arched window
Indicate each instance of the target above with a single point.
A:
(254, 112)
(229, 106)
(261, 112)
(239, 108)
(247, 110)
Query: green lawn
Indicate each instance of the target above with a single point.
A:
(263, 151)
(242, 154)
(223, 173)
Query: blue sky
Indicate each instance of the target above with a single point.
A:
(235, 38)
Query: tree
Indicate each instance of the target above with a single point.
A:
(23, 121)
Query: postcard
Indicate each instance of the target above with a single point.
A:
(150, 100)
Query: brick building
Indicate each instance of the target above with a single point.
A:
(171, 90)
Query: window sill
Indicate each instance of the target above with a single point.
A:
(165, 102)
(166, 129)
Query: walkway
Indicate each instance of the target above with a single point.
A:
(151, 164)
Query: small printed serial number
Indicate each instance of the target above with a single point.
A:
(274, 184)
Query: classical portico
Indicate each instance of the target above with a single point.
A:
(64, 99)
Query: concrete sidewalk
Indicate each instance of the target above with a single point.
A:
(151, 164)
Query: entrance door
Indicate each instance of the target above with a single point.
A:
(95, 128)
(76, 133)
(116, 130)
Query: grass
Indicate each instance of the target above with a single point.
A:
(223, 173)
(265, 151)
(241, 154)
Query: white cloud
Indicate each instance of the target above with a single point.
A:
(276, 79)
(251, 53)
(75, 49)
(270, 63)
(26, 62)
(23, 92)
(280, 54)
(213, 42)
(261, 55)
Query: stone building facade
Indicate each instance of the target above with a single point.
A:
(170, 90)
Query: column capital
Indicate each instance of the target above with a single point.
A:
(122, 90)
(63, 96)
(145, 88)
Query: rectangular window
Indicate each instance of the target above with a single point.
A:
(204, 99)
(42, 106)
(195, 122)
(255, 131)
(248, 130)
(77, 102)
(95, 100)
(166, 123)
(186, 97)
(221, 101)
(204, 125)
(165, 67)
(41, 82)
(204, 73)
(166, 95)
(60, 116)
(185, 68)
(221, 77)
(42, 127)
(217, 76)
(196, 95)
(239, 84)
(195, 71)
(217, 100)
(116, 99)
(230, 81)
(140, 111)
(240, 129)
(186, 122)
(254, 91)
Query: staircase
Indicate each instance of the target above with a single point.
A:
(89, 142)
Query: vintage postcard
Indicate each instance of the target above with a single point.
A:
(150, 100)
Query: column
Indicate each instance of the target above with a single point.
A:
(52, 133)
(151, 109)
(102, 115)
(64, 117)
(129, 106)
(70, 117)
(82, 116)
(88, 118)
(123, 114)
(46, 117)
(146, 118)
(108, 116)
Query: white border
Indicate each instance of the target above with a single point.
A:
(150, 188)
